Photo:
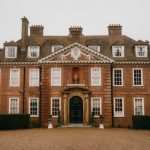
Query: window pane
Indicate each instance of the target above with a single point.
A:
(96, 106)
(56, 47)
(34, 77)
(34, 107)
(95, 47)
(14, 77)
(138, 106)
(10, 51)
(118, 107)
(55, 106)
(118, 51)
(96, 76)
(56, 76)
(13, 106)
(118, 77)
(33, 51)
(141, 51)
(137, 77)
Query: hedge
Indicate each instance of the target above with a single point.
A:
(14, 121)
(141, 122)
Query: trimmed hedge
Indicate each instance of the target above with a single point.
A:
(141, 122)
(14, 121)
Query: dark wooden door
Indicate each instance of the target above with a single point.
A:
(76, 110)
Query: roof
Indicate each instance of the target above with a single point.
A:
(105, 41)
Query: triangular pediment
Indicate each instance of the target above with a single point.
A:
(76, 53)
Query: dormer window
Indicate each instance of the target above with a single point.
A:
(118, 51)
(141, 51)
(56, 47)
(33, 51)
(10, 51)
(95, 47)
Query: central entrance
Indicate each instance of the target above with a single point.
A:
(76, 110)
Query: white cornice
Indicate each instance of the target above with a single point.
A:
(75, 62)
(19, 63)
(134, 62)
(71, 62)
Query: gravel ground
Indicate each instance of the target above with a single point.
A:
(75, 139)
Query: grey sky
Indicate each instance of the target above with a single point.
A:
(58, 15)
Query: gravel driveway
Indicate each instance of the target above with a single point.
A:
(75, 139)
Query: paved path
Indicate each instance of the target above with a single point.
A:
(75, 139)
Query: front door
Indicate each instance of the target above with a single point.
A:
(76, 110)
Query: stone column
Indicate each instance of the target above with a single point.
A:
(87, 111)
(65, 111)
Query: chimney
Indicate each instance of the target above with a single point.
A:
(115, 29)
(36, 30)
(75, 31)
(24, 35)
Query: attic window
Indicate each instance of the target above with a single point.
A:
(141, 51)
(118, 51)
(56, 47)
(33, 51)
(10, 51)
(95, 47)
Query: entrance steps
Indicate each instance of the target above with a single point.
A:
(75, 125)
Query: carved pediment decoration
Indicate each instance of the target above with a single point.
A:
(76, 53)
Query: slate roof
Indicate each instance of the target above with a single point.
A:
(105, 41)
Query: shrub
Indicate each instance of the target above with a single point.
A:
(14, 121)
(141, 122)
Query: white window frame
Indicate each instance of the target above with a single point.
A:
(144, 50)
(114, 69)
(18, 79)
(56, 47)
(100, 102)
(8, 48)
(30, 80)
(121, 50)
(141, 76)
(142, 98)
(33, 49)
(10, 105)
(100, 77)
(94, 47)
(52, 98)
(37, 99)
(52, 77)
(118, 113)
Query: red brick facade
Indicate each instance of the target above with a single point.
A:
(71, 65)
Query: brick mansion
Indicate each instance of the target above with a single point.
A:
(75, 74)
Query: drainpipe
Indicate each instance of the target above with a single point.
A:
(112, 104)
(23, 91)
(40, 94)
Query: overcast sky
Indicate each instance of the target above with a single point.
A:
(58, 15)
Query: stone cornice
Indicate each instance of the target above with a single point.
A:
(71, 62)
(134, 62)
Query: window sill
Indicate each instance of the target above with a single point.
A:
(32, 116)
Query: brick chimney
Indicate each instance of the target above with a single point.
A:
(36, 30)
(115, 29)
(24, 35)
(75, 31)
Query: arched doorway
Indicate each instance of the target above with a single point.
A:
(76, 110)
